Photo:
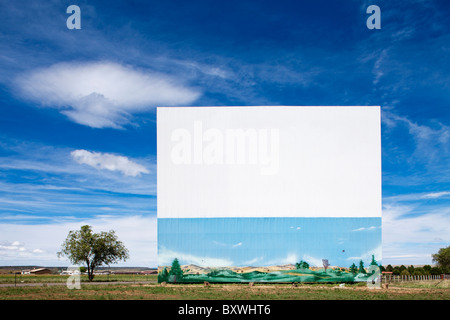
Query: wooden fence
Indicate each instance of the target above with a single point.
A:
(392, 278)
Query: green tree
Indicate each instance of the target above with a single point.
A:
(353, 268)
(373, 262)
(176, 270)
(411, 269)
(302, 265)
(361, 267)
(93, 249)
(427, 269)
(419, 272)
(404, 273)
(396, 271)
(163, 276)
(402, 267)
(435, 271)
(442, 259)
(389, 268)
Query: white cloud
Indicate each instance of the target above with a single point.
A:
(109, 162)
(313, 262)
(367, 256)
(401, 227)
(252, 261)
(365, 229)
(290, 258)
(102, 94)
(138, 233)
(434, 195)
(409, 237)
(14, 246)
(431, 143)
(227, 245)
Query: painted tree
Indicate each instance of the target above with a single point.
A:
(93, 249)
(353, 268)
(326, 264)
(176, 271)
(163, 276)
(361, 267)
(302, 265)
(373, 262)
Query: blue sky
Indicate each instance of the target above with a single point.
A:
(77, 107)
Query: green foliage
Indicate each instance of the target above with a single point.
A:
(176, 271)
(389, 268)
(163, 276)
(93, 249)
(361, 267)
(353, 268)
(373, 262)
(442, 259)
(213, 273)
(302, 265)
(396, 271)
(435, 271)
(411, 269)
(419, 272)
(404, 273)
(83, 269)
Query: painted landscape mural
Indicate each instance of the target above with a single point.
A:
(268, 249)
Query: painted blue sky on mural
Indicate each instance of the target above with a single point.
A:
(222, 242)
(77, 107)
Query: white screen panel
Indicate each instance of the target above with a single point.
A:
(269, 162)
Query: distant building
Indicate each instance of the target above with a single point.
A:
(40, 271)
(149, 272)
(69, 272)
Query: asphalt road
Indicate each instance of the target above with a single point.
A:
(64, 283)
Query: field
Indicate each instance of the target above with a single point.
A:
(55, 278)
(143, 289)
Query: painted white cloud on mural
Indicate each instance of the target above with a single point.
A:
(166, 256)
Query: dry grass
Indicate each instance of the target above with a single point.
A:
(426, 290)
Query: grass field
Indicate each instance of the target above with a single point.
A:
(10, 278)
(425, 290)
